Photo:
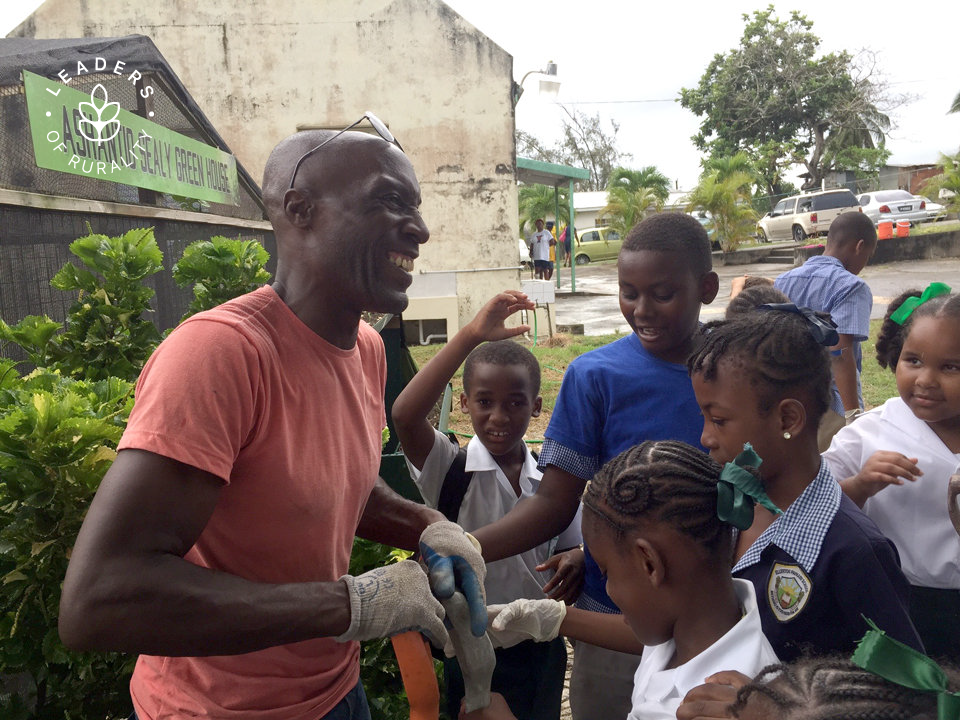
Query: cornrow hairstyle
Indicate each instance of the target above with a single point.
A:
(665, 482)
(833, 688)
(502, 352)
(672, 232)
(891, 336)
(749, 298)
(778, 356)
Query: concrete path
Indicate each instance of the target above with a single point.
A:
(595, 304)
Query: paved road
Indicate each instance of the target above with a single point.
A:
(595, 303)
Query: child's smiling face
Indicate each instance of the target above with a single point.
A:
(660, 298)
(928, 372)
(500, 403)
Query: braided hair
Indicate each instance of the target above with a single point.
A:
(891, 336)
(502, 352)
(665, 482)
(833, 688)
(777, 354)
(749, 298)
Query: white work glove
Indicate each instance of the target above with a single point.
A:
(453, 561)
(537, 620)
(390, 600)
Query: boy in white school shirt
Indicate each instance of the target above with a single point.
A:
(483, 482)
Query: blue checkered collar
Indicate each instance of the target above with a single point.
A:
(801, 529)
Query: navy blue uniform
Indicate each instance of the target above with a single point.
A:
(821, 566)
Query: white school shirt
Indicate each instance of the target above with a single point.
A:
(658, 692)
(913, 515)
(489, 497)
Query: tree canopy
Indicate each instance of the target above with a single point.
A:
(775, 98)
(585, 144)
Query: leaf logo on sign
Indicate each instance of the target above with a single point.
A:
(100, 116)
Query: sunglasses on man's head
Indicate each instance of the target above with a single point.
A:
(375, 122)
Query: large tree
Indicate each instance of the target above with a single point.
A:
(782, 102)
(585, 143)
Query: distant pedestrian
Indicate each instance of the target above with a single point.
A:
(540, 243)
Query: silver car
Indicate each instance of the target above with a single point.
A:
(893, 205)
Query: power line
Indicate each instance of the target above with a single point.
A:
(616, 102)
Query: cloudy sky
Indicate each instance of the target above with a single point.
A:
(628, 59)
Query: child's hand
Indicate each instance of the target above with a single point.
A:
(881, 469)
(712, 700)
(567, 580)
(496, 710)
(488, 323)
(537, 620)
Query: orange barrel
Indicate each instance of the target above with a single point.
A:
(903, 228)
(885, 230)
(419, 677)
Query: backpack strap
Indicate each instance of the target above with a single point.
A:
(455, 484)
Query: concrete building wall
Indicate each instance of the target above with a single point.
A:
(262, 71)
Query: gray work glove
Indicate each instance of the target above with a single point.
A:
(390, 600)
(537, 620)
(453, 561)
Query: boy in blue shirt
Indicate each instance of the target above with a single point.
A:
(612, 398)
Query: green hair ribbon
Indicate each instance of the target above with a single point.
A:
(738, 490)
(935, 289)
(904, 666)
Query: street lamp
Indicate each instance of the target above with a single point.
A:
(549, 84)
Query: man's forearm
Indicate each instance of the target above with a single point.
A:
(393, 520)
(165, 605)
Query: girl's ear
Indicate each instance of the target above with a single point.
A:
(648, 561)
(463, 404)
(793, 416)
(537, 406)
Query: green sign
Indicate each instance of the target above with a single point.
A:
(88, 135)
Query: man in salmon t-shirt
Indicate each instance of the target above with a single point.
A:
(218, 544)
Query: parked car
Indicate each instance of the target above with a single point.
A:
(597, 243)
(935, 211)
(893, 205)
(704, 218)
(807, 215)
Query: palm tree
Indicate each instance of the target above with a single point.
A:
(626, 207)
(539, 201)
(726, 165)
(955, 105)
(648, 177)
(727, 199)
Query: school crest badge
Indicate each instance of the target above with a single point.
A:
(788, 591)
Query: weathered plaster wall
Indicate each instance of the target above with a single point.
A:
(261, 71)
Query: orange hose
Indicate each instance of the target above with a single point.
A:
(419, 677)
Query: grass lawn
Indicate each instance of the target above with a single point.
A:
(935, 227)
(556, 354)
